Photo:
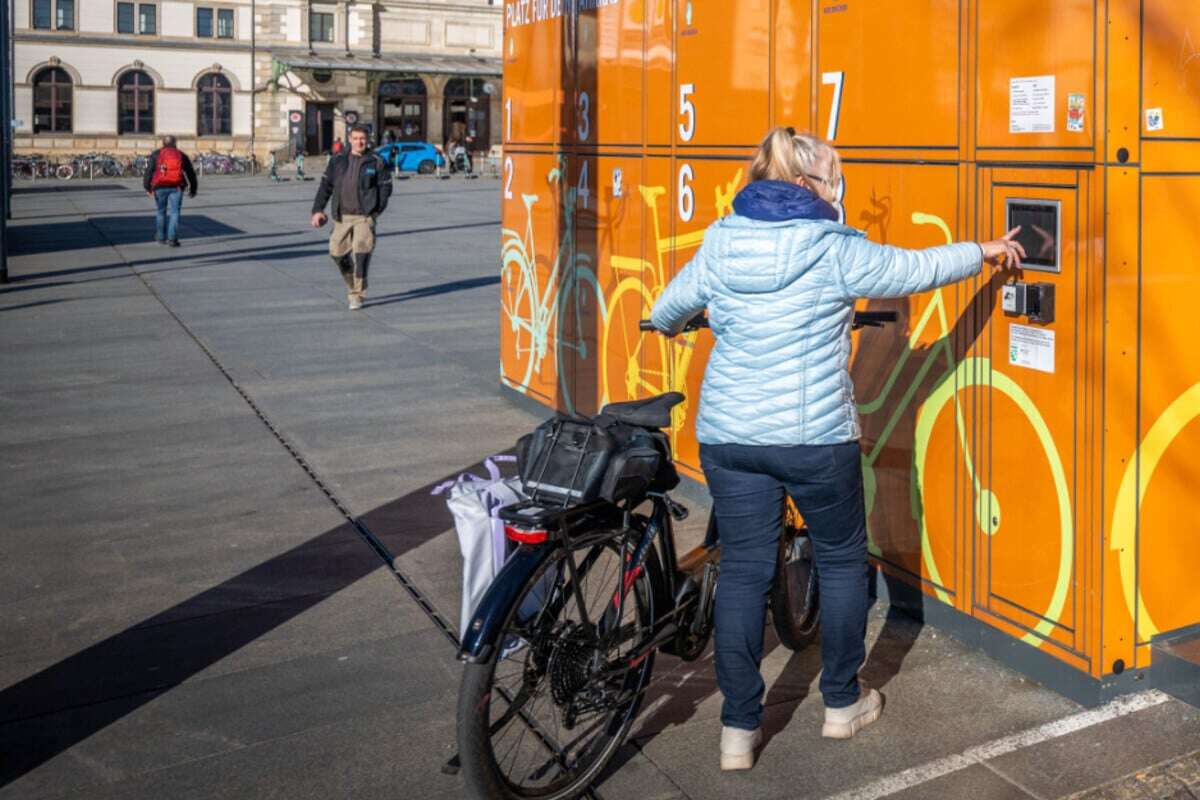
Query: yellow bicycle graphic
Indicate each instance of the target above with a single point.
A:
(956, 377)
(566, 307)
(1139, 471)
(633, 364)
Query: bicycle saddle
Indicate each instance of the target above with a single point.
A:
(652, 412)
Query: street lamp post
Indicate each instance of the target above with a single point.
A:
(6, 122)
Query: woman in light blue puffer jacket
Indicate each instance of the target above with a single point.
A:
(779, 279)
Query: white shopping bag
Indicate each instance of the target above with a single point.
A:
(474, 502)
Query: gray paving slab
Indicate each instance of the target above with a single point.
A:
(183, 613)
(976, 782)
(214, 715)
(1175, 779)
(1104, 752)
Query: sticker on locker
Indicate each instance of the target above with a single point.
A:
(1032, 348)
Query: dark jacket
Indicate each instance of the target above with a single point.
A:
(374, 185)
(189, 174)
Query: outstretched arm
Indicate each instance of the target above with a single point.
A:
(881, 271)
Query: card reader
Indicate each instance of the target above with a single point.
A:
(1032, 300)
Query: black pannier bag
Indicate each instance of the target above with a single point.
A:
(572, 460)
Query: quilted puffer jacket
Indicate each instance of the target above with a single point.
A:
(779, 278)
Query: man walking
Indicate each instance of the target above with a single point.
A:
(359, 184)
(169, 171)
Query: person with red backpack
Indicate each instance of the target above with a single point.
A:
(169, 172)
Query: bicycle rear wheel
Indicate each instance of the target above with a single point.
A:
(544, 717)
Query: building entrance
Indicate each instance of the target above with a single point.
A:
(318, 131)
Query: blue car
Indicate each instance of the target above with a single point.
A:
(419, 157)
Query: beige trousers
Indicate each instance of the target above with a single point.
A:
(350, 246)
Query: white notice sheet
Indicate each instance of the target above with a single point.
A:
(1031, 105)
(1031, 347)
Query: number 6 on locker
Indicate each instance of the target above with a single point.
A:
(687, 197)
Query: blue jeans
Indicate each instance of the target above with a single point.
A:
(747, 484)
(168, 203)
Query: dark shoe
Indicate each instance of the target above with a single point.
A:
(173, 243)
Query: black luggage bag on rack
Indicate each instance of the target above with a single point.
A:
(574, 460)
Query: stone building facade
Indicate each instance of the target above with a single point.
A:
(253, 75)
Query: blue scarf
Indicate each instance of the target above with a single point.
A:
(776, 201)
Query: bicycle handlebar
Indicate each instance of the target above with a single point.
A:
(862, 319)
(872, 319)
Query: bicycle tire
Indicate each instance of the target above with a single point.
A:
(481, 770)
(795, 597)
(64, 172)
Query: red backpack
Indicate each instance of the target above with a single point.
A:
(168, 173)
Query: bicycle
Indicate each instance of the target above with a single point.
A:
(547, 636)
(564, 305)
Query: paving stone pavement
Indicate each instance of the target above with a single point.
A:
(186, 611)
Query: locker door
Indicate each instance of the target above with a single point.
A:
(723, 72)
(620, 269)
(534, 80)
(1030, 68)
(533, 254)
(911, 440)
(608, 69)
(702, 190)
(1156, 549)
(1028, 555)
(889, 74)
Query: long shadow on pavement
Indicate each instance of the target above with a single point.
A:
(433, 291)
(53, 237)
(55, 709)
(72, 187)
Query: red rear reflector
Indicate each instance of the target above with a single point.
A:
(525, 536)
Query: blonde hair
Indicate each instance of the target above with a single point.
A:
(785, 155)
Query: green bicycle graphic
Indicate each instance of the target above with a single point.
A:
(956, 377)
(559, 316)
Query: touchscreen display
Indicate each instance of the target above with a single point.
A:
(1039, 232)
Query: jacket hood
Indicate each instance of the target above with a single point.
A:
(775, 201)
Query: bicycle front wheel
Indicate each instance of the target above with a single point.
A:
(543, 718)
(795, 606)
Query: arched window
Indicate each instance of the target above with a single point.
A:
(214, 99)
(52, 101)
(467, 113)
(402, 105)
(135, 103)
